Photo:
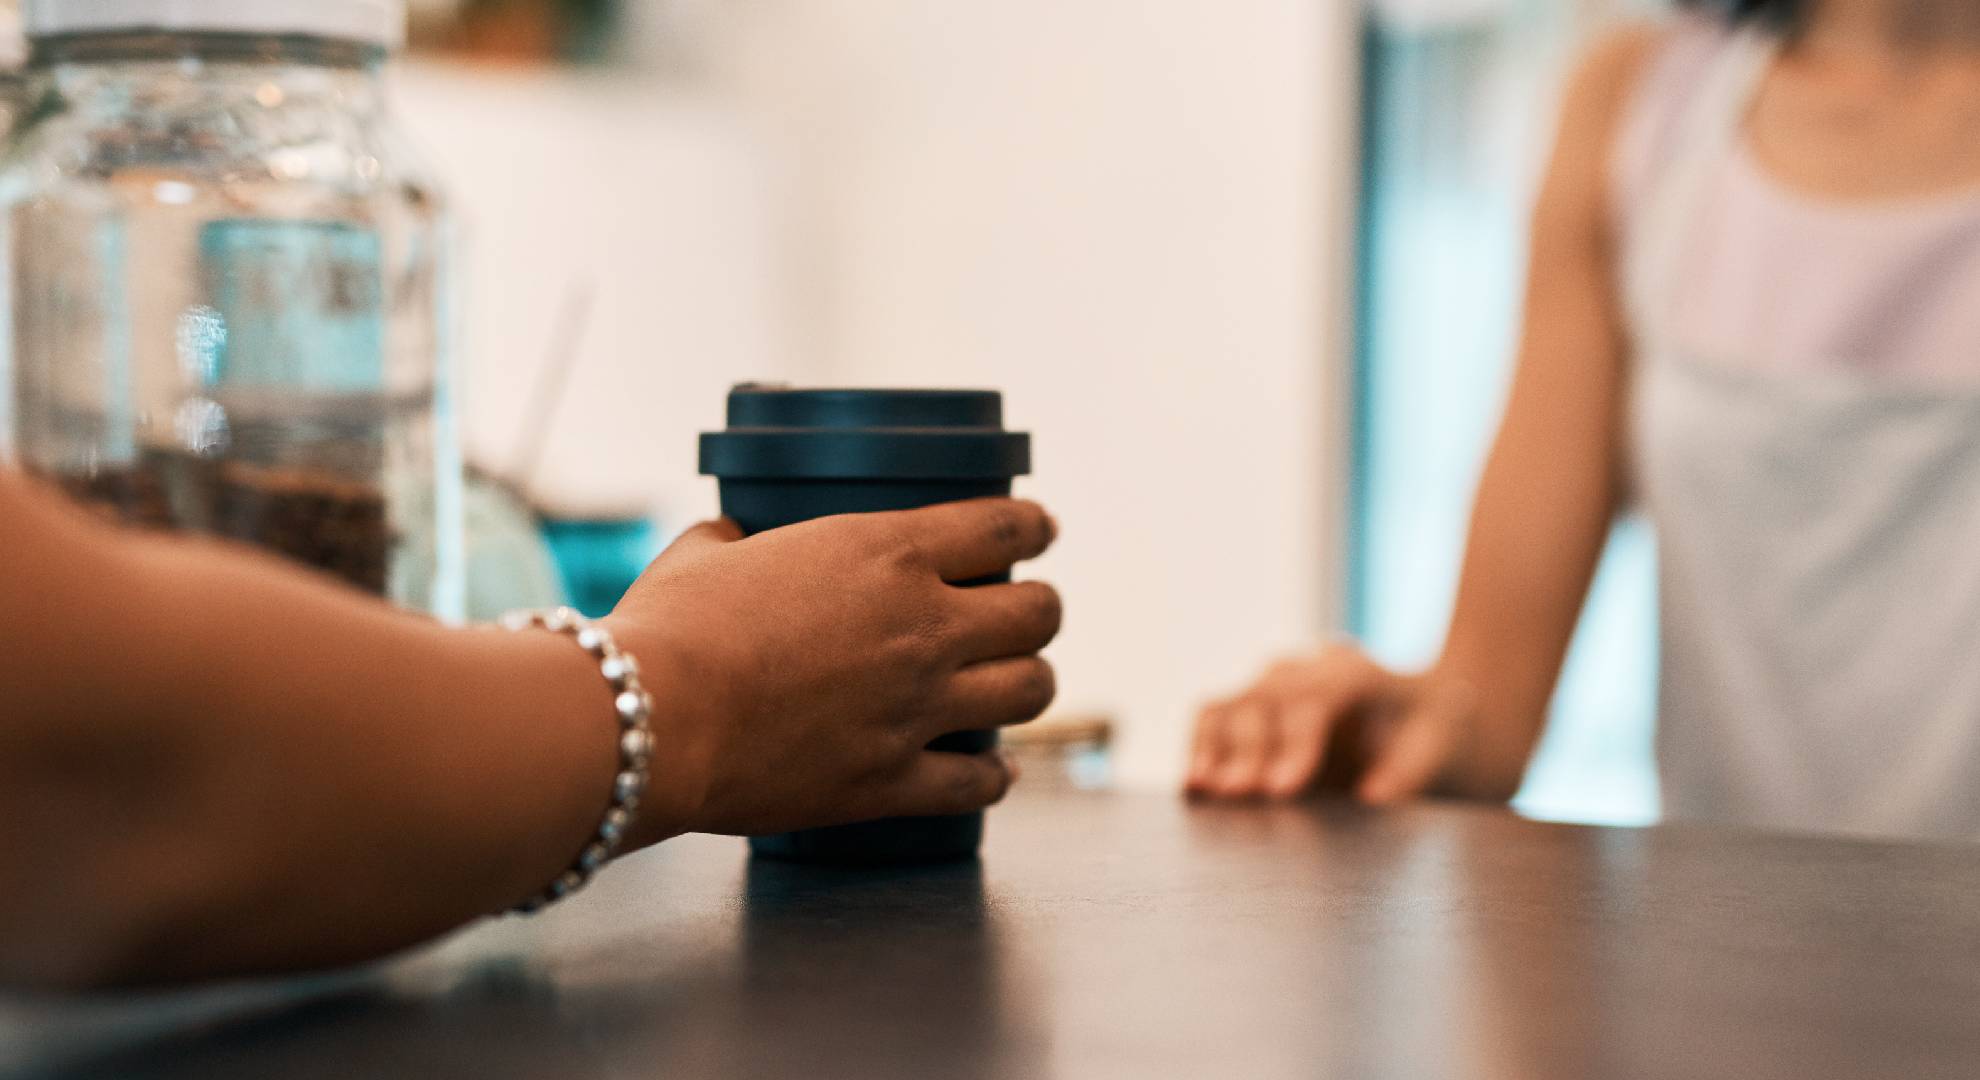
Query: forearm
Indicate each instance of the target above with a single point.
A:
(1551, 485)
(211, 763)
(1545, 501)
(1533, 549)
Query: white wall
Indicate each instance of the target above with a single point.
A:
(1130, 215)
(652, 202)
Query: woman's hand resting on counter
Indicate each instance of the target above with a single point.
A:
(1337, 720)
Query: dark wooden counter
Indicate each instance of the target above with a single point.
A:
(1139, 937)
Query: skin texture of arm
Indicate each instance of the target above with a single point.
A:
(1548, 494)
(214, 764)
(197, 734)
(1553, 480)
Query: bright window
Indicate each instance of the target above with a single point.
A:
(1458, 114)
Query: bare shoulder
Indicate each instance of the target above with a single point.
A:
(1607, 74)
(1614, 60)
(1603, 81)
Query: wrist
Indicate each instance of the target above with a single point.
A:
(1473, 770)
(678, 772)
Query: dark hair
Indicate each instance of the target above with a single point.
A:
(1782, 14)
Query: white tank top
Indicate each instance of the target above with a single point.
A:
(1805, 439)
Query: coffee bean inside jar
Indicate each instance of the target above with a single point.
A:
(313, 517)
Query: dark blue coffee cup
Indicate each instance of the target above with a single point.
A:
(791, 455)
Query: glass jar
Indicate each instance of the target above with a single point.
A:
(228, 306)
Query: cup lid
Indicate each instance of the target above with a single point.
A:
(779, 432)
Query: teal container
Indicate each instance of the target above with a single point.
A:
(599, 559)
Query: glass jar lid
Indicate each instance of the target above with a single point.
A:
(380, 23)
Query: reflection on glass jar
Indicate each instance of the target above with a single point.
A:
(227, 283)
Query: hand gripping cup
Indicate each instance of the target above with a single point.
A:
(791, 455)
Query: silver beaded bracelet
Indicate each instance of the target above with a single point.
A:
(634, 708)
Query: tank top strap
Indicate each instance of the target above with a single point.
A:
(1707, 133)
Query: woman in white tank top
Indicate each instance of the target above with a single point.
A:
(1753, 313)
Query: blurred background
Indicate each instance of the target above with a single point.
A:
(1248, 270)
(1132, 216)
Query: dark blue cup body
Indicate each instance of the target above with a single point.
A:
(790, 455)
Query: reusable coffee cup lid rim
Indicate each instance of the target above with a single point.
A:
(783, 433)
